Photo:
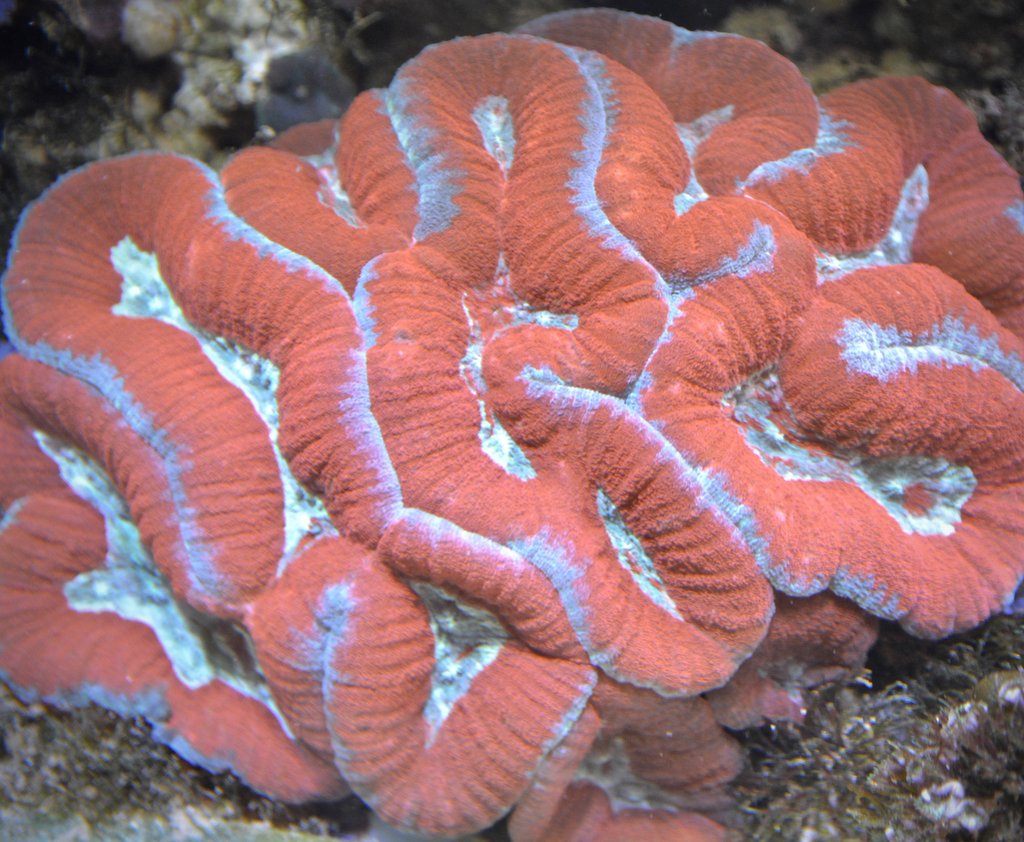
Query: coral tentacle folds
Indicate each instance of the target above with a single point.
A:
(452, 455)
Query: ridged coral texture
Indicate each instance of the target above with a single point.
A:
(461, 453)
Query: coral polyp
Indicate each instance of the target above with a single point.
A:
(585, 391)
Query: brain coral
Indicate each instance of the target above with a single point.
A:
(584, 391)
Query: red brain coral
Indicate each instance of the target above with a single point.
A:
(453, 456)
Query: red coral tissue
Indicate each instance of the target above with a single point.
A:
(586, 390)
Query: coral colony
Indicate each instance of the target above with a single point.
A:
(587, 390)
